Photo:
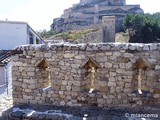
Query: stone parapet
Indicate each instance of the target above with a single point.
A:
(93, 74)
(93, 46)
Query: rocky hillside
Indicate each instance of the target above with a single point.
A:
(88, 14)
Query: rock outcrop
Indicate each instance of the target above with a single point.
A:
(89, 13)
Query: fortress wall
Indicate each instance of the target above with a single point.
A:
(80, 14)
(125, 8)
(111, 74)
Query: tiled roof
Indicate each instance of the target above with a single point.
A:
(5, 56)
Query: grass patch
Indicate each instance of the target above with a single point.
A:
(122, 37)
(73, 35)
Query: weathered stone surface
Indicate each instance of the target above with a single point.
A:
(108, 65)
(157, 67)
(111, 84)
(68, 55)
(109, 79)
(77, 83)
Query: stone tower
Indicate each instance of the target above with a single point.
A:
(108, 26)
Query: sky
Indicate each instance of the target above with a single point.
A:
(39, 14)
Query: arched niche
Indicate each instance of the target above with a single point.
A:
(90, 75)
(139, 83)
(43, 74)
(142, 63)
(42, 64)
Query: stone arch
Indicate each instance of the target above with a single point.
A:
(43, 74)
(90, 75)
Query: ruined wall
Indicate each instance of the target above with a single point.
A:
(92, 37)
(124, 75)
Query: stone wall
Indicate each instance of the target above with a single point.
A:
(125, 75)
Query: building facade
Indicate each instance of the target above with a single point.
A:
(13, 34)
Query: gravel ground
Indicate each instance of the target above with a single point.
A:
(43, 112)
(6, 100)
(5, 103)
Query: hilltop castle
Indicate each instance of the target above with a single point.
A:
(89, 13)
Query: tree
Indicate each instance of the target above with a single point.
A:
(143, 28)
(46, 34)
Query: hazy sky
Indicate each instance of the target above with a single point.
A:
(40, 13)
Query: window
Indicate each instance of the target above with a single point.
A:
(31, 40)
(37, 41)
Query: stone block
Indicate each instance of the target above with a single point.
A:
(32, 86)
(31, 74)
(122, 60)
(105, 96)
(61, 92)
(101, 101)
(112, 90)
(101, 59)
(127, 85)
(111, 79)
(112, 74)
(127, 90)
(128, 55)
(111, 84)
(120, 71)
(153, 47)
(68, 55)
(120, 83)
(28, 90)
(62, 103)
(68, 88)
(117, 54)
(128, 65)
(119, 89)
(76, 89)
(69, 104)
(48, 55)
(146, 47)
(109, 101)
(122, 65)
(108, 65)
(77, 83)
(64, 82)
(157, 67)
(108, 53)
(80, 56)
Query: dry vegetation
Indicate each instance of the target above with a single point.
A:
(79, 34)
(122, 37)
(72, 35)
